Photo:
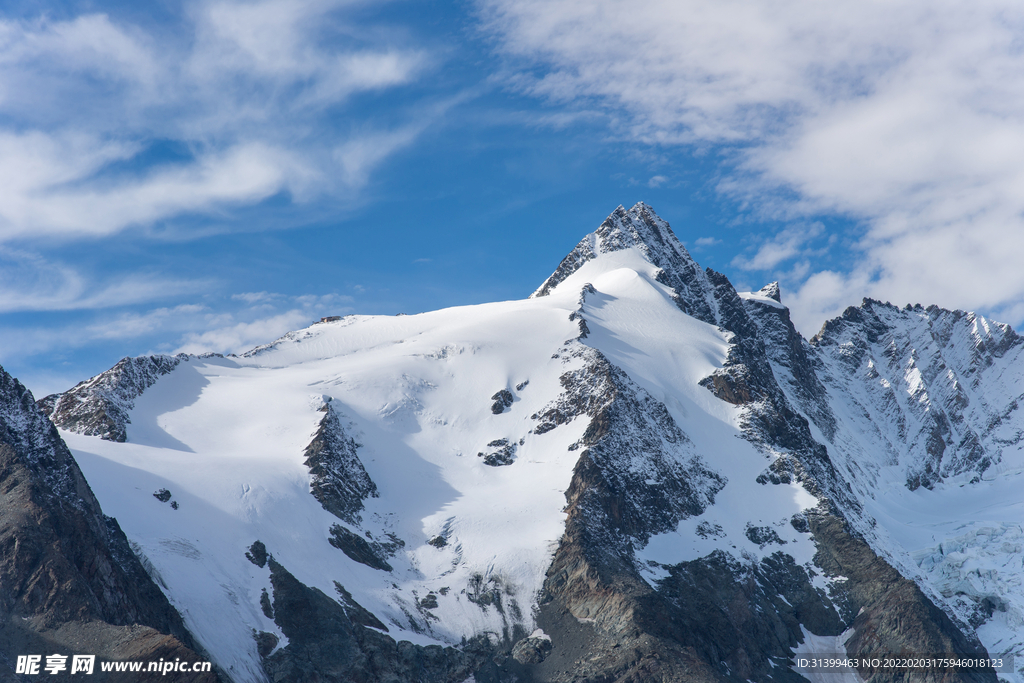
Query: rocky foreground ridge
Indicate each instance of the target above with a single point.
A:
(654, 575)
(70, 582)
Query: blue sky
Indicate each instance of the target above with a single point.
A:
(206, 175)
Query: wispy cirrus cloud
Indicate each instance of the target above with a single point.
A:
(216, 327)
(32, 282)
(245, 92)
(906, 116)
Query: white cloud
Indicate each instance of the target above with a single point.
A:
(235, 333)
(786, 244)
(706, 241)
(905, 115)
(243, 335)
(30, 282)
(199, 328)
(278, 41)
(243, 87)
(825, 294)
(39, 206)
(256, 297)
(363, 153)
(29, 341)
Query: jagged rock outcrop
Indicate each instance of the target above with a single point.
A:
(637, 472)
(640, 227)
(337, 477)
(326, 644)
(71, 583)
(357, 548)
(887, 612)
(941, 387)
(99, 406)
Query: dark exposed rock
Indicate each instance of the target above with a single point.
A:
(717, 618)
(763, 535)
(356, 612)
(99, 406)
(265, 643)
(611, 509)
(357, 548)
(799, 522)
(163, 495)
(438, 542)
(793, 361)
(492, 592)
(890, 613)
(326, 645)
(337, 477)
(772, 291)
(71, 583)
(635, 459)
(268, 609)
(429, 602)
(502, 400)
(925, 377)
(771, 421)
(257, 554)
(503, 455)
(708, 530)
(532, 650)
(640, 227)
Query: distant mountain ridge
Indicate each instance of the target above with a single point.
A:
(637, 474)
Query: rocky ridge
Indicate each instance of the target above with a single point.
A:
(337, 478)
(100, 405)
(934, 379)
(72, 585)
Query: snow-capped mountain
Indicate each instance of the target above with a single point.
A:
(637, 474)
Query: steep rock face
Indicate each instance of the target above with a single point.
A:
(71, 582)
(99, 406)
(637, 472)
(817, 375)
(889, 613)
(632, 630)
(325, 644)
(337, 478)
(637, 475)
(793, 361)
(941, 386)
(766, 343)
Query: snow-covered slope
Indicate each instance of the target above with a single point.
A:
(418, 468)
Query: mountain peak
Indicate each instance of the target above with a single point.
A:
(772, 291)
(638, 227)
